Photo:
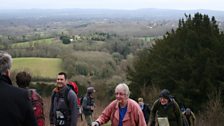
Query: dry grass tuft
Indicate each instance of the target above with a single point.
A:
(214, 112)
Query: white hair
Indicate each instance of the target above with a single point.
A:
(124, 87)
(5, 62)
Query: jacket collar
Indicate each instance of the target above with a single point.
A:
(5, 79)
(116, 114)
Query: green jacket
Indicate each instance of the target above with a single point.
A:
(171, 111)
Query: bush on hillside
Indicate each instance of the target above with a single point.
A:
(65, 39)
(42, 88)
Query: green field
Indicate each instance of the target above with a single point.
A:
(33, 43)
(38, 67)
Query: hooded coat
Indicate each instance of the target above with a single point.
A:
(171, 111)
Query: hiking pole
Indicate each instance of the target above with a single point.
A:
(80, 113)
(81, 116)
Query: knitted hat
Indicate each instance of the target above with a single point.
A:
(90, 90)
(165, 94)
(188, 111)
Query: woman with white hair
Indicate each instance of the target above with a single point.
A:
(123, 111)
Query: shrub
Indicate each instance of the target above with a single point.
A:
(214, 112)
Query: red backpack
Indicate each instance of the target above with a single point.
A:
(37, 104)
(74, 87)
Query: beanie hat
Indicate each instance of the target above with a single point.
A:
(188, 111)
(165, 94)
(90, 90)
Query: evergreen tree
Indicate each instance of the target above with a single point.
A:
(189, 61)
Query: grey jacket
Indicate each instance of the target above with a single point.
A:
(87, 103)
(68, 107)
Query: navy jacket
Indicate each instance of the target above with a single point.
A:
(146, 112)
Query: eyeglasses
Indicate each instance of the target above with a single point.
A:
(119, 93)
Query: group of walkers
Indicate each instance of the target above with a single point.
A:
(24, 107)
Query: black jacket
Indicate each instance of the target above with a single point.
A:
(146, 112)
(15, 107)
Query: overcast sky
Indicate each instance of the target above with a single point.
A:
(113, 4)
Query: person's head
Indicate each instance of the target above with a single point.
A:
(188, 111)
(61, 79)
(23, 79)
(90, 91)
(164, 96)
(140, 101)
(122, 93)
(5, 63)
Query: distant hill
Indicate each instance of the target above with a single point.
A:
(147, 13)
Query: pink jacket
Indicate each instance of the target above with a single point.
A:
(133, 116)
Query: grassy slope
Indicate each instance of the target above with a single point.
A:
(43, 67)
(32, 43)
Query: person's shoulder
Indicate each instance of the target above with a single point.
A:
(34, 94)
(147, 105)
(173, 101)
(84, 98)
(133, 103)
(17, 93)
(34, 91)
(113, 103)
(71, 92)
(17, 90)
(156, 102)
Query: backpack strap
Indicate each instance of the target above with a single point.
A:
(66, 96)
(52, 97)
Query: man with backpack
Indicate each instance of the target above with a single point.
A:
(23, 81)
(64, 107)
(74, 87)
(165, 111)
(88, 105)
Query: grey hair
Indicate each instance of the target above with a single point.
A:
(5, 62)
(124, 87)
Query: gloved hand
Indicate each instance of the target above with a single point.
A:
(95, 124)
